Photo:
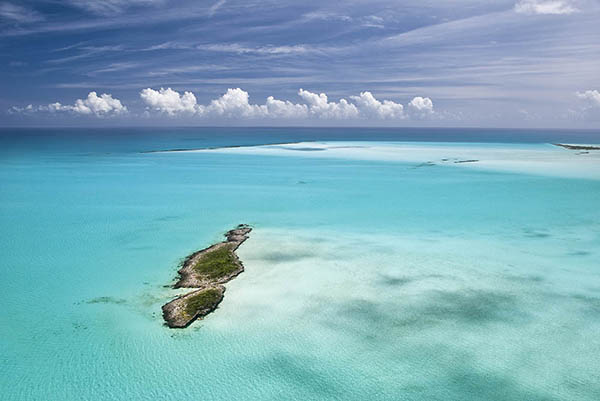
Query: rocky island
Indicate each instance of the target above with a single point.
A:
(206, 271)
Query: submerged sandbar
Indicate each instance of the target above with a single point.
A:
(206, 271)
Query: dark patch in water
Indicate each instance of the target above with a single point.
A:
(426, 164)
(398, 281)
(473, 306)
(301, 372)
(525, 279)
(303, 149)
(591, 304)
(279, 256)
(130, 238)
(367, 311)
(167, 218)
(469, 383)
(79, 326)
(106, 300)
(539, 235)
(395, 281)
(579, 253)
(371, 320)
(535, 234)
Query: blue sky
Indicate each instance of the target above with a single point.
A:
(526, 63)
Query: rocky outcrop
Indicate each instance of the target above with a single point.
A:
(206, 271)
(182, 311)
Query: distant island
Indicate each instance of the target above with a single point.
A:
(577, 147)
(206, 271)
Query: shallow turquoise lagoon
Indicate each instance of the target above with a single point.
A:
(370, 275)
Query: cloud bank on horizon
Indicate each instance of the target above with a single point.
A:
(103, 105)
(508, 62)
(235, 104)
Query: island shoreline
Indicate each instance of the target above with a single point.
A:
(205, 271)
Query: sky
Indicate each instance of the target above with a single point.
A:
(503, 63)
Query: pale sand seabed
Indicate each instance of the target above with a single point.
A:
(429, 309)
(478, 309)
(366, 278)
(505, 313)
(540, 159)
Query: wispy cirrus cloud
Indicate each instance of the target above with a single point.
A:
(186, 69)
(113, 67)
(123, 14)
(169, 46)
(370, 21)
(546, 7)
(85, 52)
(325, 16)
(19, 14)
(108, 7)
(263, 50)
(237, 48)
(215, 7)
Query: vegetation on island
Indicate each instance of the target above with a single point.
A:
(217, 263)
(205, 270)
(202, 301)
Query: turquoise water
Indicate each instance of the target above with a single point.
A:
(366, 278)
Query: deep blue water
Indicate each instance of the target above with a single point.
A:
(146, 139)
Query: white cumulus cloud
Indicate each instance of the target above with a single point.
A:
(99, 105)
(55, 107)
(319, 106)
(545, 7)
(590, 96)
(18, 109)
(169, 101)
(371, 107)
(235, 104)
(103, 105)
(285, 109)
(421, 106)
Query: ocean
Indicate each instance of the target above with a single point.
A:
(384, 264)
